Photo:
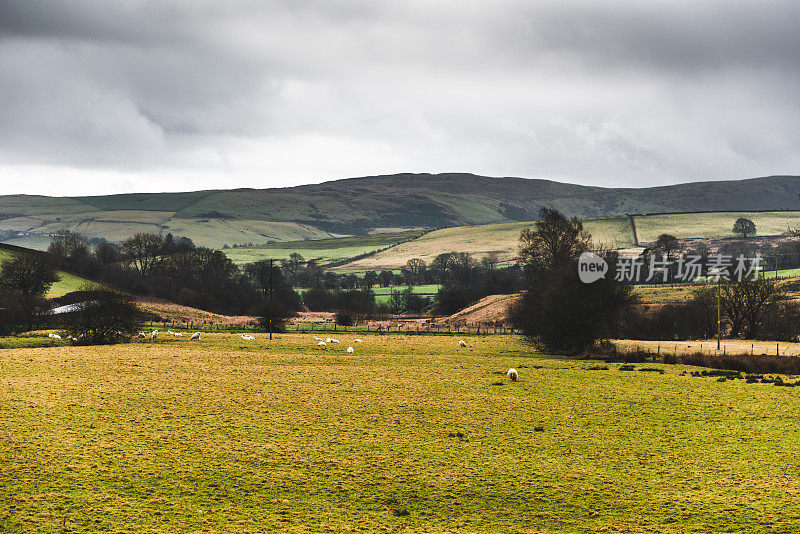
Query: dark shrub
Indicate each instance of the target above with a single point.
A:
(110, 317)
(781, 322)
(20, 312)
(318, 299)
(560, 314)
(344, 318)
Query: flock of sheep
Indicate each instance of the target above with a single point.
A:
(155, 333)
(323, 344)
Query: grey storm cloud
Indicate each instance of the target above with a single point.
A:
(262, 93)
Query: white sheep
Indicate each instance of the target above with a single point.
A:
(195, 337)
(462, 343)
(322, 344)
(357, 341)
(170, 332)
(335, 341)
(349, 350)
(512, 374)
(247, 337)
(154, 335)
(51, 335)
(328, 340)
(177, 334)
(142, 335)
(56, 336)
(317, 338)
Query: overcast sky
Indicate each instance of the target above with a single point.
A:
(103, 97)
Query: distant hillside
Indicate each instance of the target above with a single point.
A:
(358, 206)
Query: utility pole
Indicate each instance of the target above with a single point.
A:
(719, 312)
(269, 301)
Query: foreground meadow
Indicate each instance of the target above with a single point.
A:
(409, 433)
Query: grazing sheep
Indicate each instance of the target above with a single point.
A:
(56, 336)
(357, 341)
(177, 334)
(154, 335)
(349, 350)
(195, 337)
(462, 343)
(51, 335)
(247, 337)
(512, 374)
(328, 340)
(321, 344)
(335, 341)
(317, 338)
(170, 332)
(142, 335)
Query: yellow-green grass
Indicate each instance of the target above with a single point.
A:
(67, 283)
(613, 232)
(232, 436)
(664, 294)
(782, 273)
(712, 225)
(323, 251)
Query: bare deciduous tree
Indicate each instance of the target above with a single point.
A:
(144, 251)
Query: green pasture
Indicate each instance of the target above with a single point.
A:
(382, 294)
(409, 433)
(712, 225)
(67, 283)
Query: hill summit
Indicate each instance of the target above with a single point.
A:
(357, 206)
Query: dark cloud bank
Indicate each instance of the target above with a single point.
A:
(102, 96)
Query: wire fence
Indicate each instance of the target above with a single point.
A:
(476, 328)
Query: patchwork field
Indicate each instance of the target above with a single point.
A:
(409, 433)
(712, 225)
(323, 251)
(503, 239)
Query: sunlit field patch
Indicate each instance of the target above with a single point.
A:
(409, 432)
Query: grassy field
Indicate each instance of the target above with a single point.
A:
(481, 240)
(409, 433)
(712, 225)
(67, 283)
(324, 251)
(665, 294)
(382, 294)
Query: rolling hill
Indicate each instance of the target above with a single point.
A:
(67, 282)
(359, 206)
(503, 239)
